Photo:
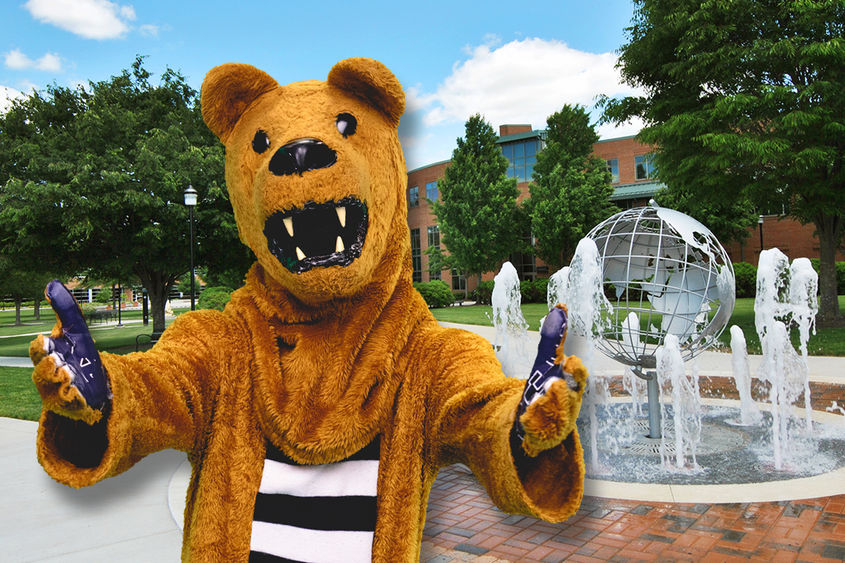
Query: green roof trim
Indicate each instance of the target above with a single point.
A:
(636, 190)
(429, 166)
(535, 134)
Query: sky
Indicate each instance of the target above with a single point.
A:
(512, 62)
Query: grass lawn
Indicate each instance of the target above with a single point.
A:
(18, 397)
(826, 342)
(118, 340)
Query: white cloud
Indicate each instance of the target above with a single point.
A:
(92, 19)
(521, 81)
(149, 30)
(7, 95)
(17, 60)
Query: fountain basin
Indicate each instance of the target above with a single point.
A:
(736, 466)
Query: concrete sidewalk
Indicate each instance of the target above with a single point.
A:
(129, 518)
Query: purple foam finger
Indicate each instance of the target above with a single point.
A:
(75, 349)
(65, 306)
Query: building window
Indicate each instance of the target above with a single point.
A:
(522, 156)
(431, 191)
(434, 236)
(459, 282)
(416, 255)
(414, 196)
(613, 168)
(645, 166)
(434, 242)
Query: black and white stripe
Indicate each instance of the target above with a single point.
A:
(316, 513)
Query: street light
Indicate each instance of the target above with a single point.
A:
(191, 202)
(760, 222)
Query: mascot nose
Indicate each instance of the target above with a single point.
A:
(301, 156)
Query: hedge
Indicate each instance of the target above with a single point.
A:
(436, 293)
(746, 279)
(214, 298)
(483, 293)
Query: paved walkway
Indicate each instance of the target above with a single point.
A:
(130, 517)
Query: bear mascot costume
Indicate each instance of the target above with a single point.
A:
(318, 406)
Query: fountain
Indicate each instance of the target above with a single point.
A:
(666, 268)
(511, 341)
(786, 294)
(652, 293)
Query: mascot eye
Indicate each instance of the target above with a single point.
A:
(346, 124)
(261, 142)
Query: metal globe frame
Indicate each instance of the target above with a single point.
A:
(673, 274)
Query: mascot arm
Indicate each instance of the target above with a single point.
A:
(103, 413)
(522, 445)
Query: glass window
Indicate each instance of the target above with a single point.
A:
(613, 168)
(645, 166)
(431, 191)
(434, 241)
(414, 196)
(522, 156)
(459, 282)
(434, 236)
(416, 255)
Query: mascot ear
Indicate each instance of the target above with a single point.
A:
(227, 91)
(373, 82)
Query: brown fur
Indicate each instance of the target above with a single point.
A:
(360, 353)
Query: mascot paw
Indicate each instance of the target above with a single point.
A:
(68, 372)
(552, 397)
(551, 417)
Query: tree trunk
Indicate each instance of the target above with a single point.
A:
(157, 285)
(829, 231)
(18, 303)
(36, 306)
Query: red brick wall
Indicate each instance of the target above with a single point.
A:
(791, 237)
(511, 129)
(624, 150)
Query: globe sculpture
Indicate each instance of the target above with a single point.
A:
(663, 273)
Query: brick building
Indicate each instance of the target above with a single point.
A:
(633, 177)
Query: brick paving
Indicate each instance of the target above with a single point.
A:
(463, 525)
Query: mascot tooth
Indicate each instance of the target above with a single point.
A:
(318, 407)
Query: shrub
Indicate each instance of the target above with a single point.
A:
(529, 292)
(541, 288)
(458, 295)
(104, 296)
(435, 293)
(214, 298)
(746, 279)
(88, 310)
(483, 294)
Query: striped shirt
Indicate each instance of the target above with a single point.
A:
(316, 513)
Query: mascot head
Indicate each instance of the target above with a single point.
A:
(315, 173)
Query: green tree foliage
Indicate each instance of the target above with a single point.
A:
(477, 210)
(93, 178)
(571, 189)
(745, 102)
(22, 285)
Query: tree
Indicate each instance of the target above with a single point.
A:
(745, 100)
(93, 180)
(22, 285)
(571, 189)
(477, 210)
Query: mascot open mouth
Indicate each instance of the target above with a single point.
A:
(318, 235)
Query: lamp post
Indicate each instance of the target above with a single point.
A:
(760, 222)
(191, 202)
